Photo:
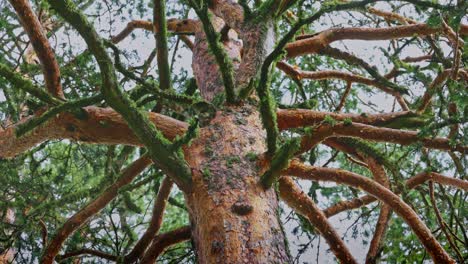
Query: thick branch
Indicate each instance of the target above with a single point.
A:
(100, 126)
(295, 118)
(316, 43)
(155, 224)
(163, 241)
(231, 12)
(376, 244)
(301, 203)
(41, 45)
(378, 134)
(433, 247)
(81, 217)
(169, 159)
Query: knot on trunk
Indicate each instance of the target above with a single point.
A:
(241, 208)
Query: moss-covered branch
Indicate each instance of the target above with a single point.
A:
(279, 162)
(353, 60)
(160, 26)
(26, 85)
(222, 58)
(160, 148)
(32, 123)
(148, 86)
(267, 109)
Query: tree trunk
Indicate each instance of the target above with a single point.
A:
(234, 220)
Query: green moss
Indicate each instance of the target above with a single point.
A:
(208, 151)
(26, 85)
(329, 120)
(347, 121)
(224, 62)
(251, 156)
(279, 162)
(73, 106)
(192, 132)
(159, 148)
(206, 173)
(230, 160)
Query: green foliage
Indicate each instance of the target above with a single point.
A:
(57, 178)
(329, 120)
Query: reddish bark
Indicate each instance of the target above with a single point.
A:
(160, 243)
(294, 118)
(87, 251)
(411, 183)
(233, 217)
(433, 247)
(378, 134)
(301, 203)
(41, 45)
(174, 25)
(376, 244)
(331, 74)
(101, 126)
(163, 241)
(318, 41)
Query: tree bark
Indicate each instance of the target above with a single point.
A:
(234, 219)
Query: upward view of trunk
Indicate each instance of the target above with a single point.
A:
(233, 138)
(234, 219)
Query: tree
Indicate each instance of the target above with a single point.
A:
(90, 139)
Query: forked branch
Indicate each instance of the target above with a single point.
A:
(92, 208)
(437, 252)
(302, 204)
(41, 45)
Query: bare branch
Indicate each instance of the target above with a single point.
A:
(411, 183)
(163, 241)
(437, 252)
(188, 26)
(87, 251)
(442, 223)
(378, 134)
(316, 43)
(155, 224)
(332, 74)
(376, 244)
(301, 203)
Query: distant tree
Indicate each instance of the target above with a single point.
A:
(95, 138)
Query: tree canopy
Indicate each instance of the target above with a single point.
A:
(363, 103)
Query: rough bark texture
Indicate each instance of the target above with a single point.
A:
(101, 125)
(234, 219)
(39, 41)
